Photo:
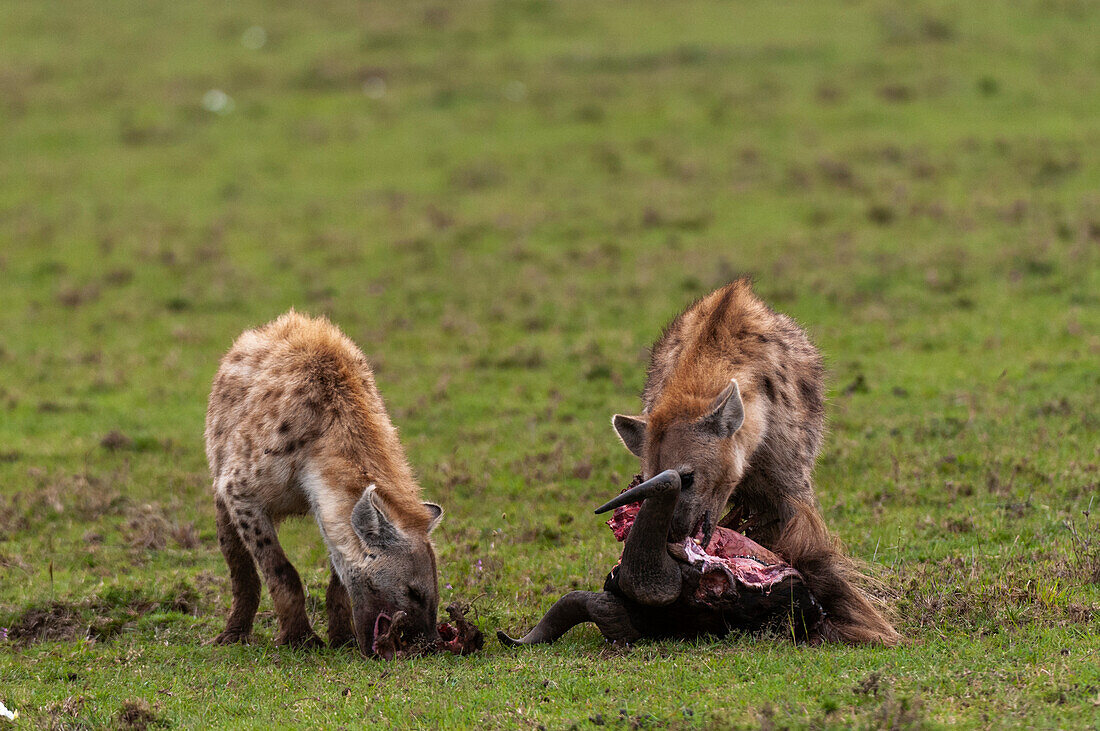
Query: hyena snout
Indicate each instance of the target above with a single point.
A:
(690, 517)
(413, 623)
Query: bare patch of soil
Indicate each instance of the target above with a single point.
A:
(137, 714)
(99, 618)
(57, 621)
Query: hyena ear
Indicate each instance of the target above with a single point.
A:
(371, 523)
(631, 429)
(436, 514)
(727, 413)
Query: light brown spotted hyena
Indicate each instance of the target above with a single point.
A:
(734, 402)
(295, 425)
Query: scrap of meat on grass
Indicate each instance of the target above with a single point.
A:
(459, 636)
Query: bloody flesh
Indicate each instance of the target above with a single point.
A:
(459, 636)
(728, 560)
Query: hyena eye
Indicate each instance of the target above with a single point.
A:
(416, 595)
(687, 479)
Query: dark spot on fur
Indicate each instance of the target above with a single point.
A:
(284, 427)
(769, 388)
(810, 395)
(286, 573)
(265, 542)
(259, 530)
(236, 357)
(245, 525)
(763, 338)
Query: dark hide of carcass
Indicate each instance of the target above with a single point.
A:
(681, 590)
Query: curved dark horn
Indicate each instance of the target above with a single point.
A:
(647, 573)
(567, 612)
(667, 481)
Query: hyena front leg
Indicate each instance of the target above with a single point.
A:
(339, 612)
(242, 574)
(258, 532)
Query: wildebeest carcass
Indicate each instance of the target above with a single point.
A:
(682, 590)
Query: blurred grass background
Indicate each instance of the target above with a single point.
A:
(503, 203)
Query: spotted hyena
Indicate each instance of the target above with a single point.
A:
(734, 403)
(296, 425)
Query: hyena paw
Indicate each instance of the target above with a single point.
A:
(232, 637)
(340, 639)
(304, 640)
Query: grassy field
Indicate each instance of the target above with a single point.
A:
(503, 203)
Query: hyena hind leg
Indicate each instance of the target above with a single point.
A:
(258, 533)
(245, 580)
(338, 604)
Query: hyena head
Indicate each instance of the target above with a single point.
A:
(700, 449)
(395, 571)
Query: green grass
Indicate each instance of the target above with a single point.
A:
(527, 193)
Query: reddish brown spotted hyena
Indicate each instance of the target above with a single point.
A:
(295, 425)
(734, 402)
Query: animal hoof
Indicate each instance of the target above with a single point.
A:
(232, 637)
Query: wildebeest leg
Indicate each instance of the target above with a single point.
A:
(607, 611)
(258, 532)
(647, 573)
(339, 612)
(245, 580)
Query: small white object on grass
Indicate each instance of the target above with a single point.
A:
(375, 87)
(5, 713)
(254, 38)
(515, 91)
(217, 101)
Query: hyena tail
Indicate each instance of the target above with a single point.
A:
(835, 580)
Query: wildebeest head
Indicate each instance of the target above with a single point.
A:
(395, 571)
(700, 449)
